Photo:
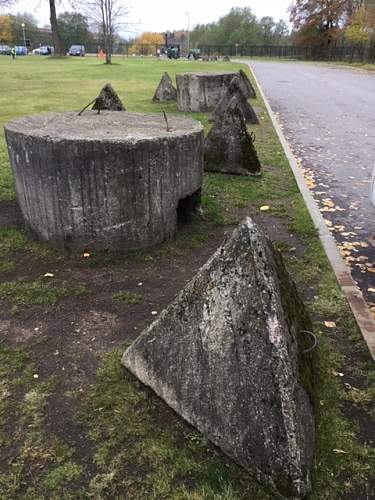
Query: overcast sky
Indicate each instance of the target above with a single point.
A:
(148, 15)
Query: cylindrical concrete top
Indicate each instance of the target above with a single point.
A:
(201, 91)
(91, 126)
(109, 180)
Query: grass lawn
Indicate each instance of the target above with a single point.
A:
(73, 423)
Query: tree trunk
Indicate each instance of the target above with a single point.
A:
(59, 49)
(108, 49)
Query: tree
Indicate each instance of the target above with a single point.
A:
(6, 3)
(32, 31)
(361, 28)
(5, 29)
(74, 29)
(108, 16)
(318, 22)
(267, 25)
(146, 43)
(281, 33)
(57, 43)
(238, 26)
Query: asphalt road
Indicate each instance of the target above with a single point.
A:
(328, 116)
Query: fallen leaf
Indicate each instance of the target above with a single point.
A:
(330, 324)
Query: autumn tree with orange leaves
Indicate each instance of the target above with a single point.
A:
(320, 22)
(146, 43)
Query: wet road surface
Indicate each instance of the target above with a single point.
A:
(328, 117)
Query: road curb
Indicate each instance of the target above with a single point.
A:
(351, 291)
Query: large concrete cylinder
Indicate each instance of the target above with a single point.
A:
(201, 91)
(113, 180)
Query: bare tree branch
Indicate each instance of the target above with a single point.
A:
(6, 3)
(108, 16)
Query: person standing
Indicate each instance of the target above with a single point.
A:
(13, 51)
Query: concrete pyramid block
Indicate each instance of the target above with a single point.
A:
(234, 89)
(109, 100)
(165, 91)
(228, 147)
(246, 86)
(228, 356)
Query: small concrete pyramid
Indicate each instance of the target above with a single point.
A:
(109, 100)
(234, 89)
(228, 147)
(246, 87)
(228, 356)
(165, 91)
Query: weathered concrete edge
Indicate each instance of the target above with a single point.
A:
(351, 291)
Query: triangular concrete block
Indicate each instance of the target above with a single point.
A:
(234, 89)
(108, 99)
(228, 147)
(246, 86)
(165, 91)
(228, 355)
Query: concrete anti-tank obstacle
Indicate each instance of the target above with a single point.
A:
(246, 86)
(165, 91)
(230, 356)
(109, 180)
(234, 89)
(109, 100)
(201, 91)
(228, 147)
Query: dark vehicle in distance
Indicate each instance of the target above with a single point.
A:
(77, 50)
(20, 50)
(194, 54)
(5, 50)
(173, 52)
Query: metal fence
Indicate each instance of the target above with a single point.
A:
(350, 53)
(342, 52)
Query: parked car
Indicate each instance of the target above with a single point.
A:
(77, 50)
(20, 50)
(5, 50)
(44, 50)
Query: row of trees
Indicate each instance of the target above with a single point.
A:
(241, 26)
(322, 22)
(315, 23)
(73, 29)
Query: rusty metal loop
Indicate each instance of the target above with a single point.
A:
(315, 342)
